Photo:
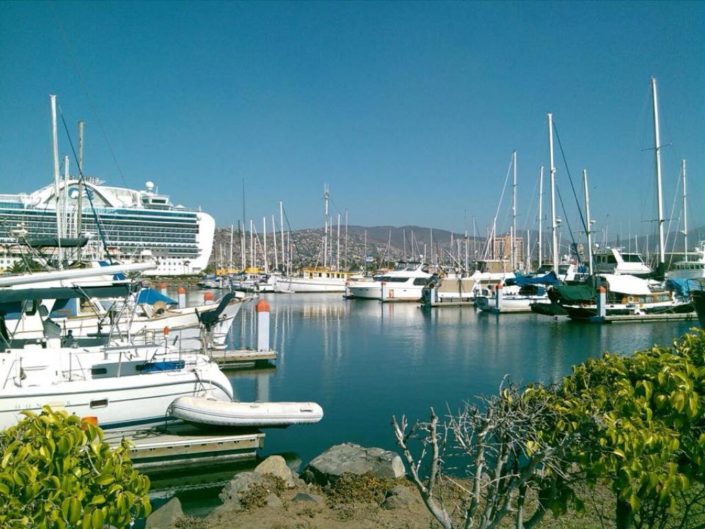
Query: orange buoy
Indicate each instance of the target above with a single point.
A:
(262, 306)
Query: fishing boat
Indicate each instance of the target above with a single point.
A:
(209, 411)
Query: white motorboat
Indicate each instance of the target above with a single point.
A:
(691, 269)
(512, 302)
(614, 261)
(120, 386)
(215, 412)
(364, 287)
(404, 283)
(518, 294)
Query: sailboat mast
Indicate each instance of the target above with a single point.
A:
(252, 243)
(685, 213)
(540, 217)
(281, 229)
(274, 240)
(337, 248)
(79, 199)
(659, 190)
(57, 176)
(514, 212)
(345, 262)
(554, 224)
(589, 221)
(264, 244)
(325, 226)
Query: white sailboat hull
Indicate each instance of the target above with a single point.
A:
(80, 382)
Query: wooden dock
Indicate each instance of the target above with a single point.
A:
(182, 445)
(242, 358)
(440, 304)
(646, 318)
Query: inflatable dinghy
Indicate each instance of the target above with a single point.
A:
(201, 410)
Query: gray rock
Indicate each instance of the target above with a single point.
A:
(400, 497)
(354, 459)
(305, 497)
(165, 516)
(276, 466)
(274, 501)
(231, 493)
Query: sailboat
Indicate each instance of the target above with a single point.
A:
(326, 278)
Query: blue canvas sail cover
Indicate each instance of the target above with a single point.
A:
(548, 279)
(149, 296)
(682, 287)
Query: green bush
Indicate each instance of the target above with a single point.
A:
(57, 472)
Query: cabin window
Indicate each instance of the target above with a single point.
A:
(420, 281)
(97, 371)
(102, 403)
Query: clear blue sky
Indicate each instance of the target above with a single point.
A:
(408, 111)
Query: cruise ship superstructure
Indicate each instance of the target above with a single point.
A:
(131, 225)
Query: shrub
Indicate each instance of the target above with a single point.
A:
(56, 472)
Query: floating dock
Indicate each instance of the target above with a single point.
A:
(645, 318)
(182, 445)
(439, 304)
(242, 358)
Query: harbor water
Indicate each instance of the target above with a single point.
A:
(365, 362)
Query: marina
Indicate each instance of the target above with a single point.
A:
(352, 264)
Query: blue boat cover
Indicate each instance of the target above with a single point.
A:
(150, 296)
(548, 279)
(682, 287)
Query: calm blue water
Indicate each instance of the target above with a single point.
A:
(364, 361)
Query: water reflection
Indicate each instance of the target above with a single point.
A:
(364, 361)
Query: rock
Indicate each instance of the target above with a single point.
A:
(354, 459)
(241, 483)
(400, 497)
(165, 516)
(305, 497)
(274, 501)
(276, 466)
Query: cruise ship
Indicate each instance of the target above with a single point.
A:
(135, 225)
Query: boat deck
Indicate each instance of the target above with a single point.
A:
(180, 445)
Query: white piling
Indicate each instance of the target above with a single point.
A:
(208, 298)
(262, 309)
(182, 297)
(162, 289)
(602, 302)
(498, 296)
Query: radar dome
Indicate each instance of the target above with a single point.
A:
(149, 185)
